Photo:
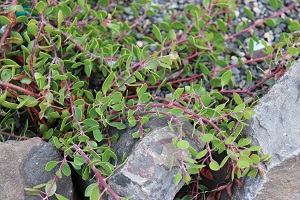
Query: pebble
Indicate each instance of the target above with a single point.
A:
(152, 47)
(235, 70)
(139, 35)
(237, 13)
(242, 83)
(139, 43)
(277, 30)
(269, 36)
(234, 60)
(256, 10)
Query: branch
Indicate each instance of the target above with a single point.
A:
(9, 85)
(97, 173)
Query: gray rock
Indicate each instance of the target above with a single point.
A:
(146, 174)
(22, 165)
(276, 128)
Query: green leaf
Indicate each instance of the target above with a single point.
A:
(78, 84)
(177, 94)
(244, 161)
(141, 90)
(152, 65)
(252, 173)
(56, 142)
(249, 77)
(176, 111)
(187, 178)
(221, 24)
(88, 68)
(6, 75)
(80, 2)
(183, 144)
(206, 137)
(275, 4)
(50, 165)
(79, 160)
(91, 122)
(32, 29)
(248, 13)
(243, 164)
(40, 6)
(108, 81)
(139, 76)
(239, 108)
(172, 34)
(66, 169)
(177, 25)
(206, 4)
(60, 197)
(156, 32)
(255, 159)
(206, 99)
(251, 46)
(292, 51)
(244, 142)
(224, 161)
(78, 113)
(201, 154)
(264, 157)
(4, 20)
(50, 188)
(273, 22)
(204, 69)
(237, 98)
(177, 177)
(31, 101)
(97, 135)
(118, 125)
(136, 134)
(88, 191)
(255, 148)
(226, 77)
(213, 165)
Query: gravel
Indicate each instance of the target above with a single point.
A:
(260, 10)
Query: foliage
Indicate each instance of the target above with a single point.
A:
(71, 70)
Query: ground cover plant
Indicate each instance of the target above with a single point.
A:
(70, 70)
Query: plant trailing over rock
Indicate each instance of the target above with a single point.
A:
(70, 70)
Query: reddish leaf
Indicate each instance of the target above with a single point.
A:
(229, 189)
(227, 177)
(240, 183)
(218, 195)
(211, 196)
(221, 188)
(229, 167)
(207, 174)
(279, 74)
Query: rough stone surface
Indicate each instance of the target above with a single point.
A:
(276, 128)
(22, 165)
(146, 174)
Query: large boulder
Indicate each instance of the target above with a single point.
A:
(276, 128)
(146, 174)
(22, 165)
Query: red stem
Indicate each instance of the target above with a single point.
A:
(9, 85)
(97, 173)
(261, 21)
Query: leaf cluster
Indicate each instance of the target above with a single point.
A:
(72, 70)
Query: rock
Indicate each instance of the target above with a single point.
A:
(234, 60)
(276, 128)
(146, 174)
(22, 165)
(139, 44)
